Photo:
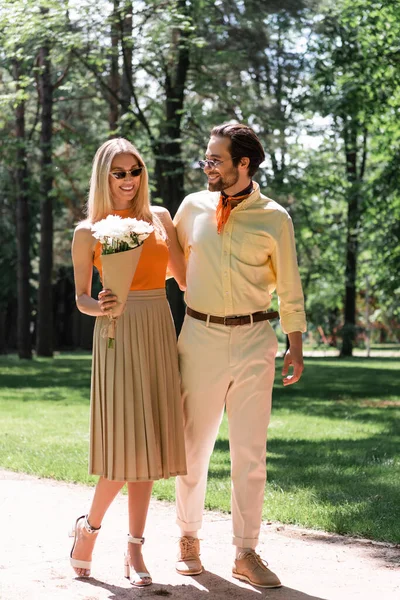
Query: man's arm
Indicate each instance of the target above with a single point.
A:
(176, 260)
(291, 300)
(179, 222)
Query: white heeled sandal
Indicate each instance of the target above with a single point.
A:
(81, 564)
(135, 577)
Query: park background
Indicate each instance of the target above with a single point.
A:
(319, 82)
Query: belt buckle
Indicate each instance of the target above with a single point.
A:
(226, 319)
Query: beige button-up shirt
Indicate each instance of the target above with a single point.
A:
(235, 272)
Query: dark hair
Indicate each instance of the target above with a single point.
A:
(244, 142)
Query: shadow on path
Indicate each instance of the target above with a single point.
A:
(214, 588)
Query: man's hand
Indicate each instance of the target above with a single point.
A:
(294, 358)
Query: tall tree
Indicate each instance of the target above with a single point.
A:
(348, 73)
(161, 63)
(44, 326)
(126, 36)
(164, 73)
(48, 82)
(22, 221)
(114, 78)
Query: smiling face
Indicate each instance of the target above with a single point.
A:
(225, 176)
(124, 190)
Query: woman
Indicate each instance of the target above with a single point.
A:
(136, 433)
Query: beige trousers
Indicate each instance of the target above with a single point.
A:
(230, 367)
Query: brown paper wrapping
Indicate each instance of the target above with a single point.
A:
(118, 272)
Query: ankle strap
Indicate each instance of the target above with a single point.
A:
(133, 540)
(89, 527)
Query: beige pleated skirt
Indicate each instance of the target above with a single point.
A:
(136, 430)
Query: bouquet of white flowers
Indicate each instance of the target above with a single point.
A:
(119, 235)
(121, 240)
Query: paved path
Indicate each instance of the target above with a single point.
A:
(36, 513)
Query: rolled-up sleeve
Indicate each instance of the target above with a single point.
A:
(288, 283)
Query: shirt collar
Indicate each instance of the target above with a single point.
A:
(247, 191)
(253, 197)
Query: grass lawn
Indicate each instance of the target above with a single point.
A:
(333, 449)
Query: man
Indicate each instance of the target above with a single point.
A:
(239, 246)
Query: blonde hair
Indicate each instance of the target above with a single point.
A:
(99, 203)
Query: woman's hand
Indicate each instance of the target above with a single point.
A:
(107, 301)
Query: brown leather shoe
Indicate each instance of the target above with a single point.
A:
(253, 569)
(189, 562)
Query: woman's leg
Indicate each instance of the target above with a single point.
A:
(104, 494)
(139, 494)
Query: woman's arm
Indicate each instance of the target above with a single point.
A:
(176, 262)
(82, 259)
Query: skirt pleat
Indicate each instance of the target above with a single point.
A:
(136, 428)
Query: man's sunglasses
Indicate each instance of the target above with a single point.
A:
(122, 174)
(211, 164)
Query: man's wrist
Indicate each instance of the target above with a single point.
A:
(296, 340)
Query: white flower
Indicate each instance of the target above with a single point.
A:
(140, 227)
(114, 231)
(107, 227)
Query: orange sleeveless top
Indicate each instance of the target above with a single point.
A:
(153, 262)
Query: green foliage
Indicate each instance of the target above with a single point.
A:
(354, 82)
(310, 77)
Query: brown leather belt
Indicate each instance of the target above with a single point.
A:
(234, 320)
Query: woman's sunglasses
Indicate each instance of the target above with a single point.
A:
(122, 174)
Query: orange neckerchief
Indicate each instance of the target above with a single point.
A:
(225, 205)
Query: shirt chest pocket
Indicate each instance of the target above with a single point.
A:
(255, 249)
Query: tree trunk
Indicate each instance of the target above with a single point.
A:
(114, 70)
(170, 187)
(169, 174)
(44, 340)
(24, 343)
(350, 279)
(353, 215)
(169, 166)
(127, 53)
(349, 327)
(3, 319)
